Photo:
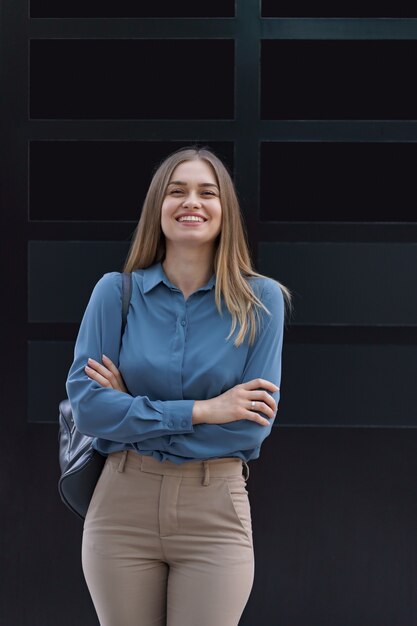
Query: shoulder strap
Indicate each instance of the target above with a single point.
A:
(126, 295)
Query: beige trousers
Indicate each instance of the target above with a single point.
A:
(167, 544)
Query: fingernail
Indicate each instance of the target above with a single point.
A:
(104, 356)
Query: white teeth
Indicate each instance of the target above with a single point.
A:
(190, 218)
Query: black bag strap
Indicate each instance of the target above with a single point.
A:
(126, 295)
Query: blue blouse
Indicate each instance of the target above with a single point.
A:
(174, 351)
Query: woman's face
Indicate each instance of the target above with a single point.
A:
(192, 190)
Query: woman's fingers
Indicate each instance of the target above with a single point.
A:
(107, 376)
(263, 407)
(116, 373)
(263, 401)
(260, 383)
(255, 417)
(100, 369)
(111, 366)
(102, 380)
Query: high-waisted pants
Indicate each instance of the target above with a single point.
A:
(168, 544)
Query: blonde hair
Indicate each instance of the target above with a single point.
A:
(232, 262)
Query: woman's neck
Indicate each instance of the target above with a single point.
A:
(188, 272)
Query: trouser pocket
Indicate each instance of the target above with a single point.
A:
(239, 500)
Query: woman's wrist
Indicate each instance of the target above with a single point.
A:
(198, 414)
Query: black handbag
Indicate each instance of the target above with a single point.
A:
(80, 464)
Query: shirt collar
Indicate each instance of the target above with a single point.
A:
(155, 274)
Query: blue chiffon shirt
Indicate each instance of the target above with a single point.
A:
(174, 352)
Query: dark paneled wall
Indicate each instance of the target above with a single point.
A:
(313, 109)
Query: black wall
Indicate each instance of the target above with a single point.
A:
(315, 112)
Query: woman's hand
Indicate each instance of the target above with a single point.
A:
(106, 375)
(236, 404)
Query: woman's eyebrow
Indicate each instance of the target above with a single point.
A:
(181, 182)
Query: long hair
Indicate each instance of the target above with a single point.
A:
(232, 262)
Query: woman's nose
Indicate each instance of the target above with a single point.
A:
(191, 200)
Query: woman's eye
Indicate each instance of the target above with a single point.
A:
(210, 193)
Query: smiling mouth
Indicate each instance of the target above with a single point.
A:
(202, 221)
(194, 223)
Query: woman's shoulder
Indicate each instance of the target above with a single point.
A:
(107, 287)
(110, 279)
(267, 289)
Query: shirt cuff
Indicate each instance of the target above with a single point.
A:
(178, 415)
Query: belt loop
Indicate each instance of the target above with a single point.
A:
(206, 480)
(245, 473)
(122, 463)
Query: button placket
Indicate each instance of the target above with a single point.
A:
(181, 332)
(183, 315)
(177, 347)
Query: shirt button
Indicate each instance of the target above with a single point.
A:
(182, 322)
(170, 423)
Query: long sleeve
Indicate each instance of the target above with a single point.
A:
(104, 412)
(243, 437)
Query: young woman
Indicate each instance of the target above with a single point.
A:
(180, 411)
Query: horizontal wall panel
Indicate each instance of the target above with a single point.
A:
(97, 180)
(351, 283)
(131, 8)
(333, 283)
(48, 366)
(324, 80)
(116, 79)
(338, 181)
(348, 385)
(329, 385)
(273, 8)
(62, 275)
